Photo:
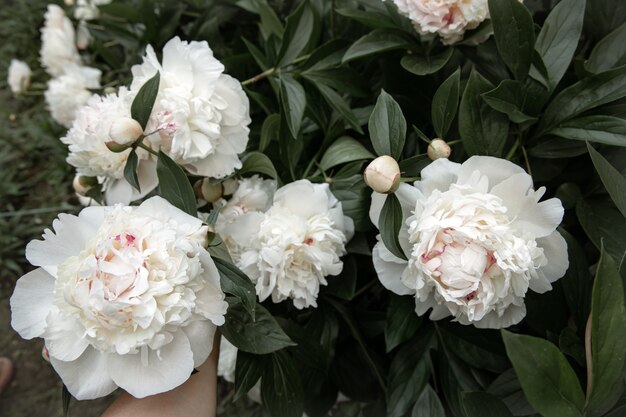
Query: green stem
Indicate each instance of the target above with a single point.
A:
(513, 150)
(145, 148)
(272, 71)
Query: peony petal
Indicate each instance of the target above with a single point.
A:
(389, 273)
(158, 207)
(87, 377)
(538, 219)
(147, 176)
(555, 250)
(200, 335)
(438, 175)
(31, 303)
(407, 196)
(63, 340)
(118, 192)
(440, 311)
(303, 198)
(513, 191)
(496, 169)
(513, 315)
(162, 371)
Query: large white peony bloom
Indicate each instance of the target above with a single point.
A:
(89, 154)
(125, 296)
(202, 113)
(58, 48)
(18, 76)
(447, 18)
(288, 250)
(67, 93)
(476, 238)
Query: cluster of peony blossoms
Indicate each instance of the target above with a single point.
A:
(124, 297)
(286, 241)
(200, 119)
(448, 19)
(476, 238)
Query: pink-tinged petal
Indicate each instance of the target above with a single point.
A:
(496, 169)
(200, 335)
(87, 377)
(31, 303)
(152, 372)
(389, 272)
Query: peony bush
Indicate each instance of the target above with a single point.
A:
(378, 208)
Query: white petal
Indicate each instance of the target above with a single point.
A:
(159, 207)
(303, 198)
(162, 372)
(496, 169)
(63, 340)
(513, 191)
(407, 196)
(147, 176)
(31, 303)
(118, 192)
(200, 335)
(438, 175)
(376, 206)
(539, 219)
(555, 251)
(389, 273)
(87, 377)
(440, 311)
(513, 315)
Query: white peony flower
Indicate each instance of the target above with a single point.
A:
(476, 238)
(288, 250)
(202, 114)
(58, 47)
(125, 296)
(67, 93)
(18, 76)
(88, 151)
(447, 18)
(88, 9)
(227, 361)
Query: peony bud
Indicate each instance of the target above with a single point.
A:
(208, 191)
(82, 184)
(438, 148)
(383, 175)
(124, 132)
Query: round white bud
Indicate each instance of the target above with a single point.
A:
(438, 148)
(209, 191)
(124, 131)
(383, 175)
(82, 184)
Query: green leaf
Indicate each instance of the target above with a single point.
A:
(586, 94)
(142, 105)
(130, 170)
(480, 350)
(401, 321)
(269, 131)
(514, 33)
(234, 282)
(602, 221)
(355, 198)
(409, 373)
(558, 39)
(298, 31)
(508, 98)
(270, 23)
(174, 185)
(344, 285)
(258, 162)
(426, 64)
(66, 398)
(445, 104)
(371, 18)
(375, 42)
(343, 150)
(609, 52)
(428, 404)
(549, 382)
(613, 180)
(608, 332)
(412, 167)
(260, 335)
(558, 148)
(608, 130)
(577, 282)
(387, 126)
(248, 370)
(340, 105)
(482, 404)
(293, 102)
(507, 387)
(483, 130)
(389, 224)
(281, 390)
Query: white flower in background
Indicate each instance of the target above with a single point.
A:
(227, 361)
(476, 238)
(447, 18)
(202, 114)
(88, 9)
(252, 194)
(290, 249)
(88, 151)
(67, 93)
(125, 296)
(18, 76)
(58, 47)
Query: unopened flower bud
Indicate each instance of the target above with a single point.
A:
(45, 354)
(383, 175)
(438, 148)
(230, 186)
(125, 131)
(82, 184)
(208, 191)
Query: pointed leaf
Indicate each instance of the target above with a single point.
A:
(608, 130)
(234, 282)
(375, 42)
(401, 322)
(426, 64)
(174, 185)
(298, 31)
(260, 163)
(130, 170)
(613, 180)
(343, 150)
(482, 404)
(281, 391)
(387, 126)
(293, 102)
(445, 104)
(142, 105)
(389, 223)
(609, 52)
(507, 98)
(428, 404)
(248, 370)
